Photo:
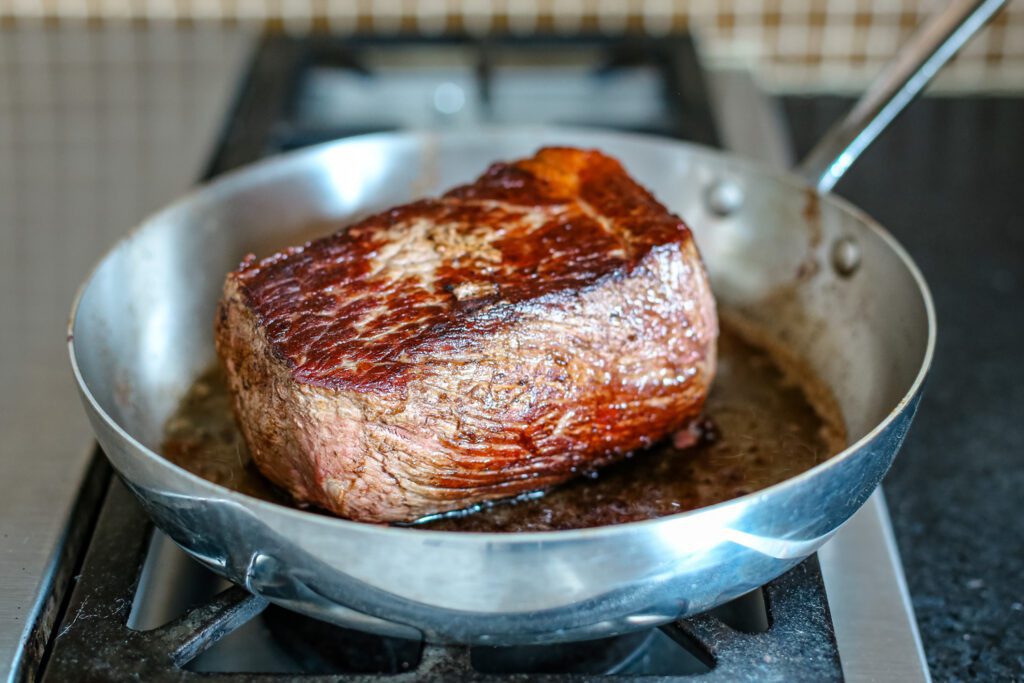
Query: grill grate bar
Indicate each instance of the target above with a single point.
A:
(198, 629)
(96, 643)
(799, 644)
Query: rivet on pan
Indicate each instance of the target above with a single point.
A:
(846, 256)
(724, 197)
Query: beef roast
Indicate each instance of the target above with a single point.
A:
(543, 321)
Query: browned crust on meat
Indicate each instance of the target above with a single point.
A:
(505, 383)
(360, 308)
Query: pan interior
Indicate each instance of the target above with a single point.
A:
(812, 271)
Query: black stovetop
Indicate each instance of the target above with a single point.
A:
(946, 180)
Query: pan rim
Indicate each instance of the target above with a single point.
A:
(280, 162)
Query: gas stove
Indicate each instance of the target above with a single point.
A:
(126, 602)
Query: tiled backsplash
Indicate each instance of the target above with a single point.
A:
(791, 44)
(97, 129)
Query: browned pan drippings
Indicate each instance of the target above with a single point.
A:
(769, 424)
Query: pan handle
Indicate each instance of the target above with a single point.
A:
(893, 89)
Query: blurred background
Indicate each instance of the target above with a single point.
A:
(113, 105)
(111, 108)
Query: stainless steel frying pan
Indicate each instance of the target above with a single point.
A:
(141, 331)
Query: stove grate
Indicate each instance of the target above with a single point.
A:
(94, 642)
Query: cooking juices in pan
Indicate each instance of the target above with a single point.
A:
(768, 419)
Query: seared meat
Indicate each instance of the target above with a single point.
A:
(535, 325)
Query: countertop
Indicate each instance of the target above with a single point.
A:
(947, 181)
